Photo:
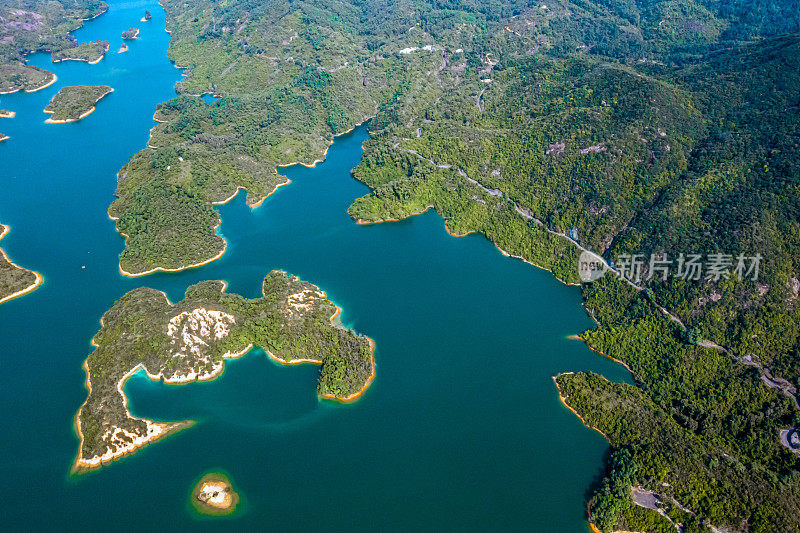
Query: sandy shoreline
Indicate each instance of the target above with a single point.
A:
(94, 62)
(292, 361)
(580, 338)
(48, 84)
(179, 269)
(81, 465)
(4, 230)
(160, 429)
(8, 114)
(159, 121)
(593, 527)
(94, 17)
(3, 137)
(163, 429)
(54, 121)
(257, 204)
(30, 288)
(470, 232)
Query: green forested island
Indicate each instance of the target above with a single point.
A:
(130, 33)
(14, 280)
(75, 102)
(89, 52)
(623, 127)
(38, 26)
(293, 322)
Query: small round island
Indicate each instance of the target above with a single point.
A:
(214, 495)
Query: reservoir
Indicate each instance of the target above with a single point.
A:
(461, 429)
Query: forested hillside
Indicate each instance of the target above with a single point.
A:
(37, 26)
(620, 126)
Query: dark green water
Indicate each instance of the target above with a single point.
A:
(462, 428)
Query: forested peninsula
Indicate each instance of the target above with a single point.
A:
(75, 102)
(638, 127)
(293, 322)
(15, 281)
(40, 26)
(91, 52)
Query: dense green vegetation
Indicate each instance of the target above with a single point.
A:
(611, 499)
(635, 126)
(691, 150)
(13, 278)
(635, 518)
(75, 101)
(16, 76)
(202, 154)
(91, 52)
(130, 33)
(721, 403)
(37, 26)
(292, 321)
(703, 470)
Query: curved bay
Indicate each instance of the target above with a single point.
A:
(462, 427)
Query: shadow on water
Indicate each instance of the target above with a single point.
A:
(461, 429)
(274, 398)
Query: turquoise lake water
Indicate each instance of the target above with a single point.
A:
(461, 429)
